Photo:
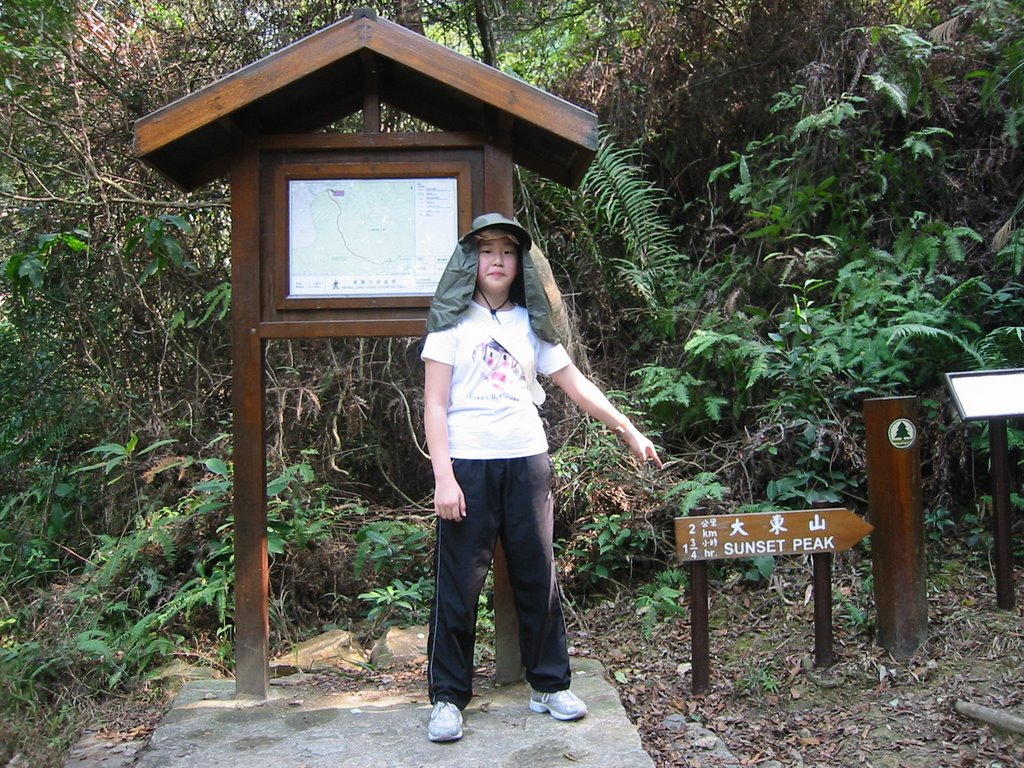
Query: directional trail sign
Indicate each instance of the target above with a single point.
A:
(801, 532)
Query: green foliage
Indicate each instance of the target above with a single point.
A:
(854, 615)
(116, 455)
(393, 548)
(759, 568)
(26, 270)
(298, 515)
(399, 602)
(696, 491)
(1002, 82)
(397, 552)
(661, 599)
(605, 549)
(143, 593)
(158, 236)
(624, 202)
(760, 680)
(30, 33)
(619, 228)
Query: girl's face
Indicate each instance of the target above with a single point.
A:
(498, 265)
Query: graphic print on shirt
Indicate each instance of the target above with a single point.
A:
(499, 371)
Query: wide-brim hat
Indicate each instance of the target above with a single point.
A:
(488, 221)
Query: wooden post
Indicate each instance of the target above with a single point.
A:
(508, 663)
(700, 661)
(700, 642)
(999, 454)
(895, 511)
(252, 569)
(822, 608)
(822, 562)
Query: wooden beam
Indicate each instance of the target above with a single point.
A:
(484, 84)
(371, 93)
(363, 35)
(252, 576)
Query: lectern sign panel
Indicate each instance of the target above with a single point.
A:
(768, 533)
(982, 395)
(356, 237)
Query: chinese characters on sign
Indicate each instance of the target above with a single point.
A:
(768, 533)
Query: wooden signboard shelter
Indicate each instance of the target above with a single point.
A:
(264, 127)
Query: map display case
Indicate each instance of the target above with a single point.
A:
(352, 237)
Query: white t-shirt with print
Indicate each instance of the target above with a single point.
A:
(491, 413)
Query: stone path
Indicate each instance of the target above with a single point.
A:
(299, 727)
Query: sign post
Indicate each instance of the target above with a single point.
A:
(803, 532)
(894, 508)
(994, 396)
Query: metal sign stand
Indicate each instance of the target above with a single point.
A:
(994, 396)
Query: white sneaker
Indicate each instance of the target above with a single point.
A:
(445, 722)
(561, 705)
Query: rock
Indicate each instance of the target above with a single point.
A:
(400, 646)
(182, 670)
(336, 649)
(699, 745)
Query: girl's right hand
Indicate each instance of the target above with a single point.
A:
(449, 501)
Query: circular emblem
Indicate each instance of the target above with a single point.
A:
(902, 433)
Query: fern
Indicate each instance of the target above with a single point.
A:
(893, 92)
(832, 116)
(666, 386)
(751, 354)
(1003, 348)
(961, 289)
(953, 240)
(703, 340)
(919, 330)
(694, 492)
(626, 205)
(713, 407)
(1011, 247)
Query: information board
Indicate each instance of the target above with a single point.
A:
(980, 395)
(361, 237)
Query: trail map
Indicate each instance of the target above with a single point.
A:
(370, 237)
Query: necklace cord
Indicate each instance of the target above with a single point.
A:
(494, 310)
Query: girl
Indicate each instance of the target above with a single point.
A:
(489, 334)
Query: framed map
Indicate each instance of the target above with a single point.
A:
(361, 230)
(357, 237)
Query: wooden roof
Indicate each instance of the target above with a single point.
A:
(327, 76)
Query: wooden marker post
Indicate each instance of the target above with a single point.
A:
(822, 563)
(894, 508)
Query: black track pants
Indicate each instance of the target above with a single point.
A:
(510, 499)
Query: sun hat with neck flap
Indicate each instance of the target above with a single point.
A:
(458, 282)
